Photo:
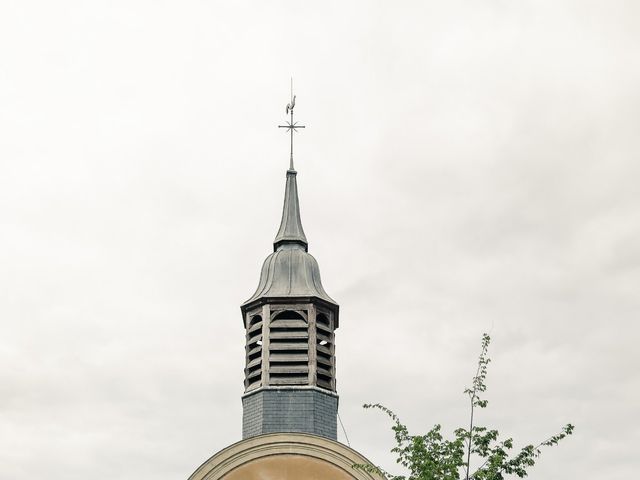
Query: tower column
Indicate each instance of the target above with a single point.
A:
(266, 322)
(313, 342)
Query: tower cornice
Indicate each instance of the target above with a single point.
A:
(258, 302)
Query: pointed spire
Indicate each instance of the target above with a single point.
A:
(291, 226)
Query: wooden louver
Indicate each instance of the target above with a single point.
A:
(288, 349)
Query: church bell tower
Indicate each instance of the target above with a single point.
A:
(290, 404)
(290, 323)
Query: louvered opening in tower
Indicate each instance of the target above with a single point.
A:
(253, 369)
(324, 352)
(288, 349)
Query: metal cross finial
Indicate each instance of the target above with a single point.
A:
(291, 125)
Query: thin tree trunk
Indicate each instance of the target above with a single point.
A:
(470, 438)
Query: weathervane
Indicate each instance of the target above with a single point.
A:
(291, 125)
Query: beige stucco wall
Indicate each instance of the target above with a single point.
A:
(284, 456)
(288, 467)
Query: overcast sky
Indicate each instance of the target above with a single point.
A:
(467, 167)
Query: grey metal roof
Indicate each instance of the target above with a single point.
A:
(291, 225)
(290, 271)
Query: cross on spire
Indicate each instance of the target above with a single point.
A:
(291, 125)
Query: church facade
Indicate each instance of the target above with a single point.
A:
(290, 403)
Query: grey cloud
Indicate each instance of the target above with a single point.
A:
(466, 168)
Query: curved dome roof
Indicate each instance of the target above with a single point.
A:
(290, 272)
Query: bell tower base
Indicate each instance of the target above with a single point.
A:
(290, 409)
